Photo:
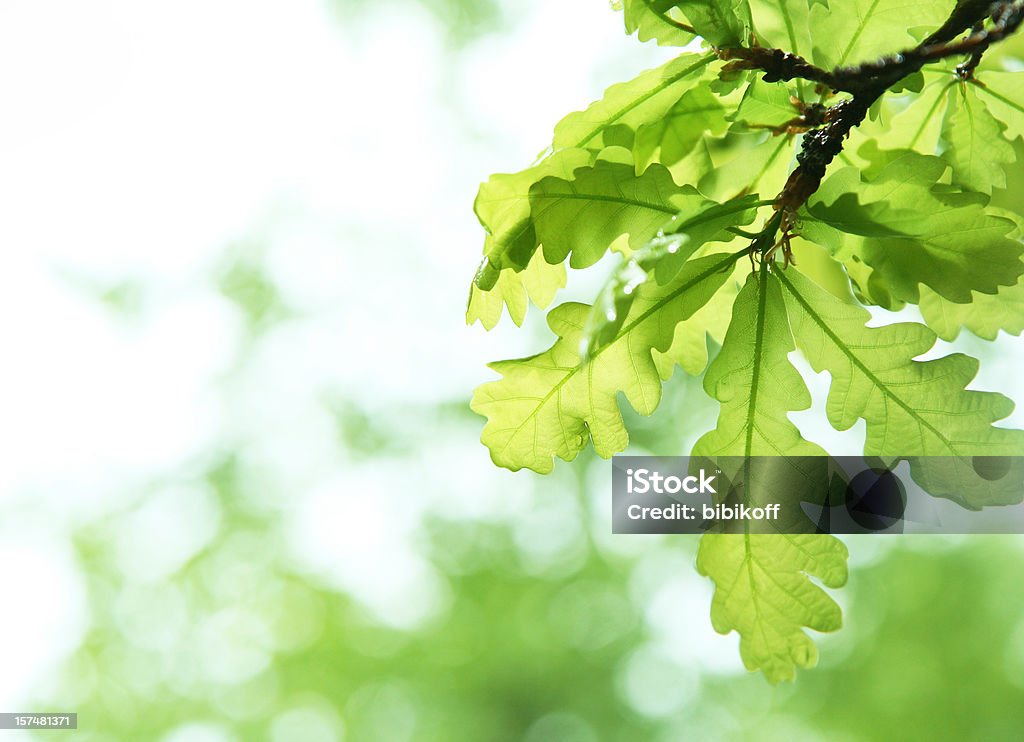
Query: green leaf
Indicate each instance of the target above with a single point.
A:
(655, 19)
(538, 283)
(985, 315)
(697, 114)
(1003, 93)
(764, 592)
(784, 24)
(918, 125)
(755, 381)
(753, 162)
(912, 231)
(503, 208)
(662, 258)
(689, 348)
(723, 23)
(977, 150)
(639, 101)
(550, 404)
(911, 408)
(851, 32)
(584, 215)
(688, 231)
(502, 204)
(766, 105)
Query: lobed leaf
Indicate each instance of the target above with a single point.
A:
(850, 32)
(1003, 93)
(977, 150)
(763, 591)
(911, 408)
(755, 381)
(551, 404)
(584, 215)
(502, 204)
(657, 20)
(640, 101)
(503, 208)
(984, 315)
(762, 585)
(661, 259)
(697, 114)
(910, 230)
(538, 283)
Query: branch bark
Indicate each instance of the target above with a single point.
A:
(822, 146)
(867, 82)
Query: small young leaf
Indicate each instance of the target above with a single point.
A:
(766, 105)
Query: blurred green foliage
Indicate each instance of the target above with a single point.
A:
(536, 639)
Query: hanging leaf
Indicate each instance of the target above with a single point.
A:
(912, 408)
(554, 403)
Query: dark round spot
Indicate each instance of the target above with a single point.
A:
(876, 499)
(991, 468)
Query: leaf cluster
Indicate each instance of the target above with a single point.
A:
(687, 170)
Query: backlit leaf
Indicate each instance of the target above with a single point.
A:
(976, 148)
(661, 259)
(697, 114)
(724, 23)
(584, 215)
(850, 32)
(656, 19)
(640, 101)
(553, 404)
(911, 231)
(762, 581)
(763, 591)
(912, 408)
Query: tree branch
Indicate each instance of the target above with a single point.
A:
(868, 82)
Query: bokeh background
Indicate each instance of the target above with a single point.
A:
(241, 493)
